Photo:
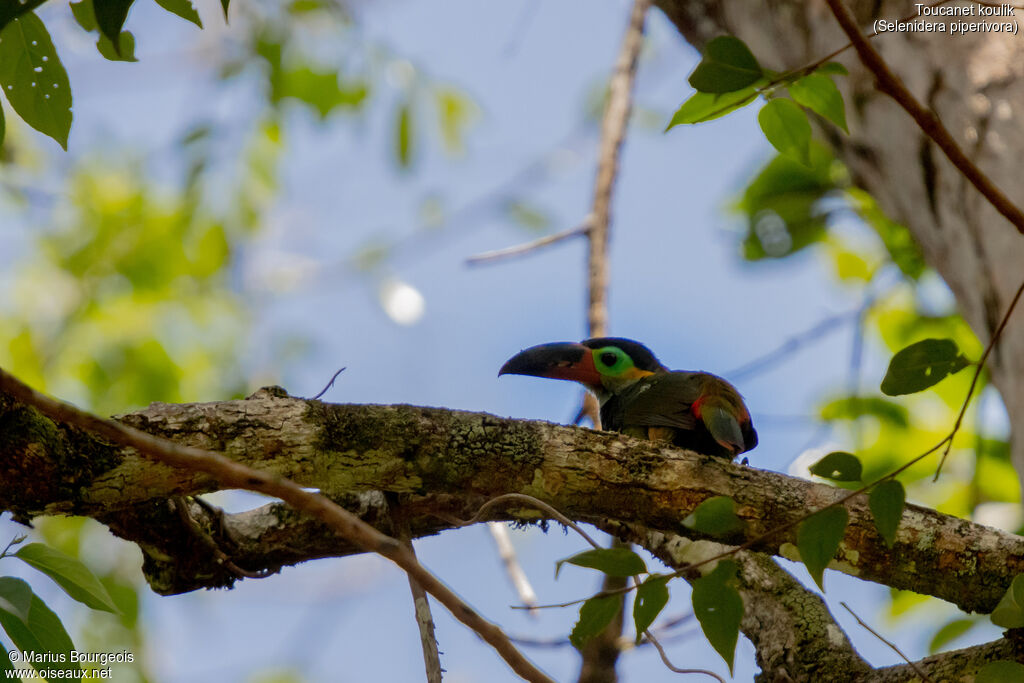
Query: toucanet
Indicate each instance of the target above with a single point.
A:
(641, 397)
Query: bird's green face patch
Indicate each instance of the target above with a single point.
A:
(612, 361)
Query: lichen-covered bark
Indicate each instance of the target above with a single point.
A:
(973, 82)
(448, 462)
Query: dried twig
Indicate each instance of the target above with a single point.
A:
(929, 123)
(529, 247)
(421, 607)
(917, 669)
(514, 571)
(329, 384)
(231, 474)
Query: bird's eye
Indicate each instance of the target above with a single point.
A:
(609, 359)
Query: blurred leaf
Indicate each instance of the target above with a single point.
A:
(404, 135)
(125, 51)
(719, 609)
(855, 407)
(886, 502)
(611, 561)
(838, 466)
(782, 205)
(818, 539)
(527, 215)
(651, 598)
(320, 90)
(455, 112)
(818, 93)
(949, 632)
(922, 365)
(1009, 613)
(595, 615)
(727, 65)
(224, 4)
(786, 127)
(702, 106)
(110, 16)
(901, 245)
(3, 125)
(71, 575)
(715, 516)
(1002, 671)
(38, 631)
(183, 8)
(34, 79)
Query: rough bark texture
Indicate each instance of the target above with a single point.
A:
(448, 462)
(973, 83)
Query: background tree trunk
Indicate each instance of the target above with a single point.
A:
(973, 82)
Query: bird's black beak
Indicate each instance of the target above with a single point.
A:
(558, 360)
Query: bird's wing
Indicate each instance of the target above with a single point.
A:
(662, 400)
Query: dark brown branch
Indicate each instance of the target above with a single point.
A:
(932, 126)
(232, 474)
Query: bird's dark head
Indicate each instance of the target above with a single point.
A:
(600, 364)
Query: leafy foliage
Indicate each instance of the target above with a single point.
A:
(718, 607)
(651, 598)
(727, 65)
(70, 574)
(595, 615)
(31, 625)
(1009, 613)
(611, 561)
(922, 365)
(715, 516)
(1002, 671)
(786, 127)
(838, 466)
(819, 93)
(818, 539)
(886, 502)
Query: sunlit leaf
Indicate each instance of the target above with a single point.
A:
(595, 615)
(922, 365)
(854, 407)
(703, 106)
(70, 574)
(715, 516)
(651, 598)
(183, 8)
(1009, 613)
(718, 607)
(886, 502)
(611, 561)
(818, 539)
(727, 65)
(787, 129)
(949, 632)
(33, 78)
(819, 94)
(838, 466)
(832, 68)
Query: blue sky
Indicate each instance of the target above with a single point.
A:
(677, 284)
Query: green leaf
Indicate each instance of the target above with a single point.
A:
(224, 4)
(838, 466)
(5, 663)
(125, 51)
(786, 127)
(3, 126)
(818, 539)
(651, 598)
(183, 8)
(33, 78)
(15, 598)
(320, 89)
(611, 561)
(716, 516)
(38, 631)
(719, 609)
(1009, 613)
(832, 68)
(403, 135)
(110, 16)
(886, 502)
(922, 365)
(1002, 671)
(727, 65)
(70, 574)
(595, 614)
(952, 630)
(84, 14)
(703, 106)
(854, 407)
(820, 94)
